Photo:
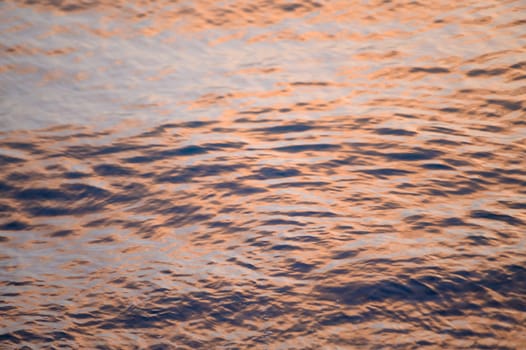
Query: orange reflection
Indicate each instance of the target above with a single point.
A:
(262, 175)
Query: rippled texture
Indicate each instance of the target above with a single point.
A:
(263, 174)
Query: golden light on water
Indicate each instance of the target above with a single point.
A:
(262, 175)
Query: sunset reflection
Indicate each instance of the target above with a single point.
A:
(262, 175)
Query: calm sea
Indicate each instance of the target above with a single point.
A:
(262, 174)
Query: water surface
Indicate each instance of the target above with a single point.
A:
(263, 175)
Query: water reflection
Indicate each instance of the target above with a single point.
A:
(262, 175)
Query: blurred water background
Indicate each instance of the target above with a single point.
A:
(262, 174)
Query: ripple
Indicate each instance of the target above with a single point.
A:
(264, 174)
